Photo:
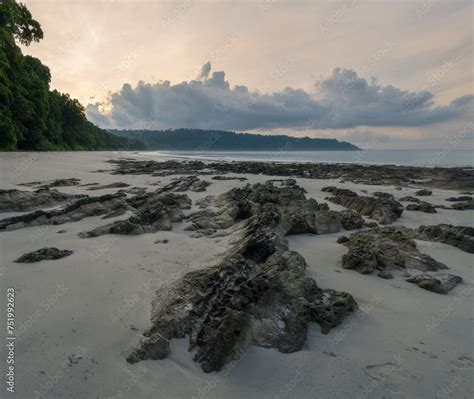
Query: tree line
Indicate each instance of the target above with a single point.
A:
(33, 117)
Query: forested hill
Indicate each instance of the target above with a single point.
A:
(31, 116)
(218, 140)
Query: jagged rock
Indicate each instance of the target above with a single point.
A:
(461, 237)
(342, 239)
(448, 178)
(289, 182)
(423, 193)
(384, 273)
(111, 185)
(43, 254)
(459, 199)
(77, 210)
(380, 194)
(220, 177)
(23, 201)
(53, 183)
(383, 210)
(409, 198)
(186, 183)
(439, 283)
(463, 206)
(387, 248)
(258, 294)
(422, 206)
(158, 215)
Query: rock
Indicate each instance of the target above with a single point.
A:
(409, 198)
(422, 206)
(342, 239)
(106, 186)
(258, 293)
(461, 237)
(220, 177)
(53, 183)
(459, 199)
(289, 182)
(423, 193)
(152, 216)
(448, 178)
(386, 249)
(163, 241)
(77, 210)
(24, 201)
(380, 194)
(61, 231)
(439, 283)
(370, 224)
(383, 210)
(187, 183)
(43, 254)
(463, 206)
(385, 274)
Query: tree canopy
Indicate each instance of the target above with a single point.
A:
(32, 117)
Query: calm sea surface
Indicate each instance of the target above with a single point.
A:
(429, 158)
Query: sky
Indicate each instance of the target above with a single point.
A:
(380, 74)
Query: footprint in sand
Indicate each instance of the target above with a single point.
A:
(463, 362)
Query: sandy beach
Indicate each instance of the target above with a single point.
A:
(78, 318)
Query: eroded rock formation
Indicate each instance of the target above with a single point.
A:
(258, 294)
(49, 253)
(25, 201)
(384, 209)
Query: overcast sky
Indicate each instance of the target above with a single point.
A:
(381, 74)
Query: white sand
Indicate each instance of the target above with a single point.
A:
(77, 317)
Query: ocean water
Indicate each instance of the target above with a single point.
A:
(429, 158)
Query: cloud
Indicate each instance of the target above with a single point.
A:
(205, 70)
(344, 100)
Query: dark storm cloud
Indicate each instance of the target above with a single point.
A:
(343, 100)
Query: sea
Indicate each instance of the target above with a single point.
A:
(427, 158)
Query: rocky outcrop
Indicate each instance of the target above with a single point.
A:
(409, 198)
(386, 249)
(111, 185)
(421, 206)
(459, 199)
(77, 210)
(439, 283)
(463, 206)
(43, 254)
(157, 214)
(187, 183)
(258, 294)
(220, 177)
(461, 237)
(25, 201)
(423, 193)
(384, 210)
(53, 183)
(448, 178)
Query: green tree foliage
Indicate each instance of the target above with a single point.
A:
(31, 116)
